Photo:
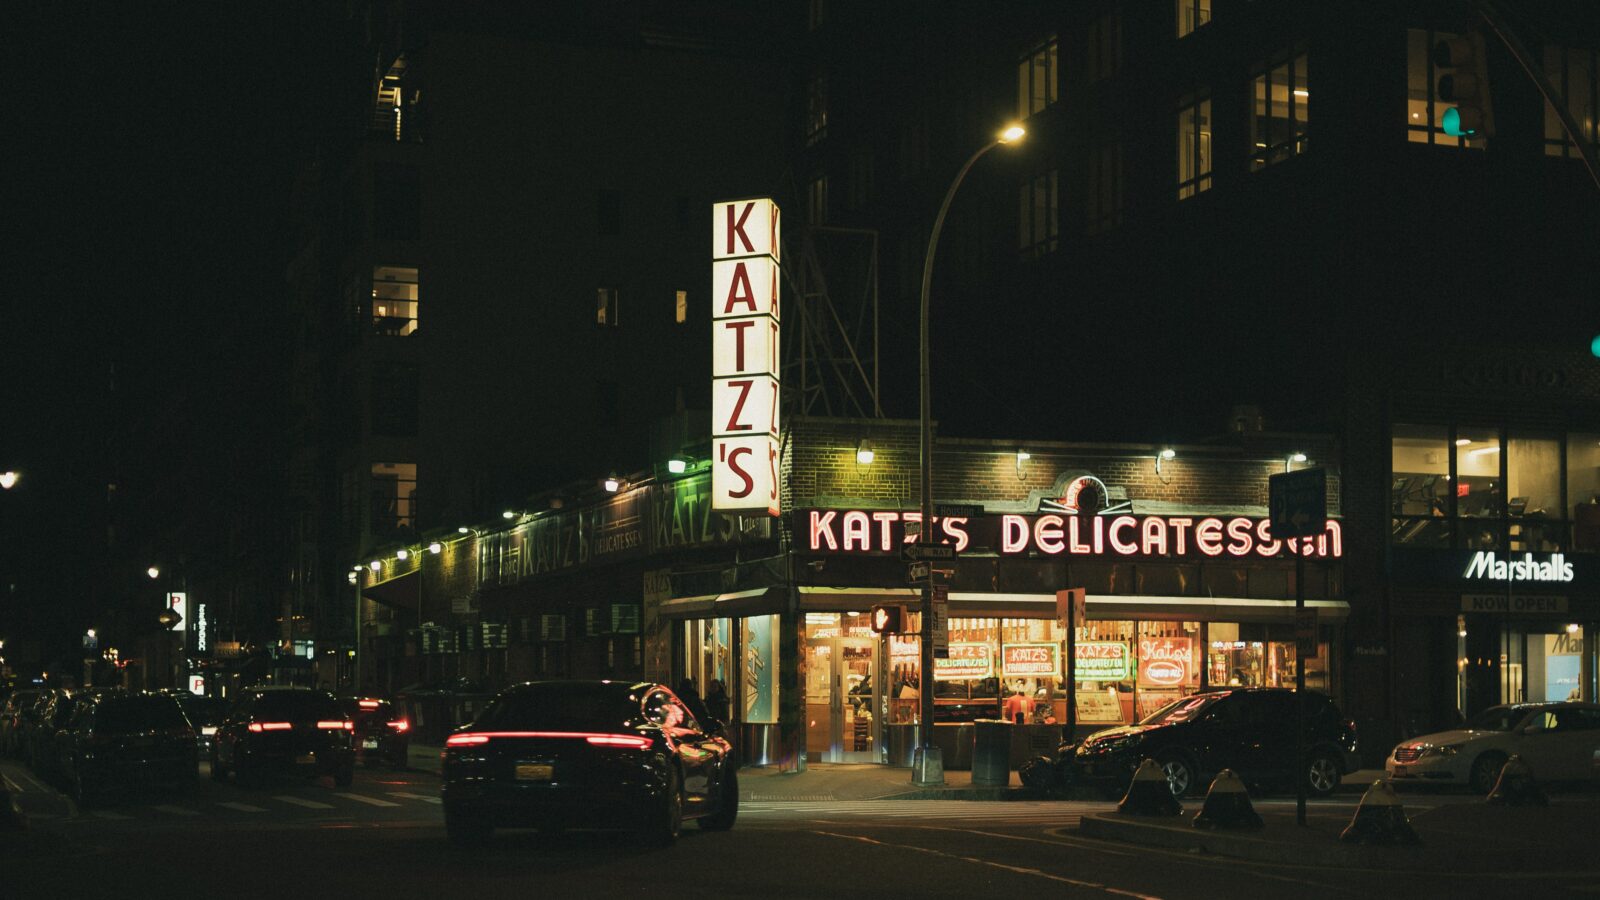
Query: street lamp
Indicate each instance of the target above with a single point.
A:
(8, 480)
(927, 766)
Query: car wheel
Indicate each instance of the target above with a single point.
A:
(661, 828)
(1180, 773)
(727, 805)
(1485, 772)
(344, 775)
(465, 832)
(1322, 775)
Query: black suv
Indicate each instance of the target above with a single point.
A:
(298, 731)
(1248, 730)
(118, 740)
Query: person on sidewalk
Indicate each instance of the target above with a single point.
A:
(691, 698)
(717, 701)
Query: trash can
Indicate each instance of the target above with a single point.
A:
(991, 752)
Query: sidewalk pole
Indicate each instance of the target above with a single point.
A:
(1300, 684)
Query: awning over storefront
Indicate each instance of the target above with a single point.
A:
(1101, 606)
(401, 591)
(752, 602)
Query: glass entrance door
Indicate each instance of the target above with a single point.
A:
(842, 724)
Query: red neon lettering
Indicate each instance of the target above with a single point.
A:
(733, 466)
(1099, 535)
(1335, 538)
(955, 528)
(1118, 524)
(772, 237)
(738, 406)
(772, 483)
(1239, 537)
(773, 296)
(1265, 545)
(737, 228)
(772, 420)
(1208, 536)
(1047, 534)
(1180, 533)
(1013, 533)
(738, 341)
(912, 517)
(857, 530)
(822, 530)
(739, 291)
(1075, 543)
(1153, 537)
(885, 537)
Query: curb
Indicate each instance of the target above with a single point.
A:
(1114, 827)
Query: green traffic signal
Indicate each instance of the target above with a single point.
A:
(1594, 345)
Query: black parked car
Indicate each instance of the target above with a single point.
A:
(51, 713)
(205, 714)
(298, 731)
(13, 715)
(382, 732)
(591, 754)
(119, 740)
(1248, 730)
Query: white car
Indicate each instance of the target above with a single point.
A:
(1556, 740)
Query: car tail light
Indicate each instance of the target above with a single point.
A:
(465, 740)
(259, 727)
(336, 725)
(400, 725)
(619, 740)
(369, 704)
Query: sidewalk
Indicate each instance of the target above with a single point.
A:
(1458, 837)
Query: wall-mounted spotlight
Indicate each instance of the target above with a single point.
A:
(612, 484)
(864, 453)
(402, 554)
(435, 547)
(677, 466)
(1022, 461)
(508, 515)
(375, 565)
(463, 530)
(1291, 459)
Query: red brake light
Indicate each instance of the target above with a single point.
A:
(259, 727)
(369, 704)
(619, 740)
(336, 725)
(400, 725)
(602, 740)
(464, 740)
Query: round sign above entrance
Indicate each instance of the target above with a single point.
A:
(1078, 492)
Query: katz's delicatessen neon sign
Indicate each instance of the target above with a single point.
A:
(745, 320)
(869, 532)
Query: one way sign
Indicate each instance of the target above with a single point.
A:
(1298, 502)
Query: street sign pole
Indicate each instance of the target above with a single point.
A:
(1298, 503)
(1300, 686)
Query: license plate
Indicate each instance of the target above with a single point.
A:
(305, 758)
(369, 744)
(1399, 769)
(534, 773)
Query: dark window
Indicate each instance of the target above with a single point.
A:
(122, 715)
(396, 203)
(395, 398)
(608, 211)
(559, 707)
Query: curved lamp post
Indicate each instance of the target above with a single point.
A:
(927, 766)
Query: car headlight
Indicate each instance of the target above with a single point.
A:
(208, 730)
(1442, 750)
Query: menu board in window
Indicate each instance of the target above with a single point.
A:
(1100, 707)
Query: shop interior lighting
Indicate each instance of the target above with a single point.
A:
(435, 547)
(677, 466)
(1462, 442)
(864, 453)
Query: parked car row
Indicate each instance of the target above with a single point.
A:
(99, 741)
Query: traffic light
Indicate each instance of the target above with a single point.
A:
(1464, 81)
(889, 618)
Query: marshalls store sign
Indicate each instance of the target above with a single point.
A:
(744, 356)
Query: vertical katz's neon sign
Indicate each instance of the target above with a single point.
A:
(744, 356)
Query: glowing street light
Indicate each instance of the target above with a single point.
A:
(153, 572)
(8, 480)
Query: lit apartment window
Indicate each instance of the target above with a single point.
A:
(1280, 112)
(606, 313)
(816, 109)
(1039, 226)
(1103, 204)
(680, 308)
(1575, 74)
(1191, 15)
(1424, 110)
(394, 300)
(393, 489)
(1104, 52)
(1194, 148)
(1037, 82)
(817, 201)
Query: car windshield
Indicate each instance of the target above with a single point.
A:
(560, 707)
(202, 710)
(296, 705)
(1183, 710)
(1496, 718)
(132, 714)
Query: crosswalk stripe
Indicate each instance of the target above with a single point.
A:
(374, 801)
(243, 807)
(176, 810)
(423, 798)
(108, 814)
(308, 804)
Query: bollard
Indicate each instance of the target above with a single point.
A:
(1149, 794)
(1516, 787)
(1379, 819)
(1227, 805)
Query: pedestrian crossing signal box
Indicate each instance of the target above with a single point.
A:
(889, 618)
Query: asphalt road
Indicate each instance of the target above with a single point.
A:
(383, 836)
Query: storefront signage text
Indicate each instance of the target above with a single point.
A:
(882, 531)
(965, 661)
(1030, 660)
(1485, 566)
(1518, 604)
(1166, 661)
(1100, 661)
(745, 251)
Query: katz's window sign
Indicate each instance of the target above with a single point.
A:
(745, 331)
(828, 531)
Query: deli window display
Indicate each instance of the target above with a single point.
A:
(1260, 657)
